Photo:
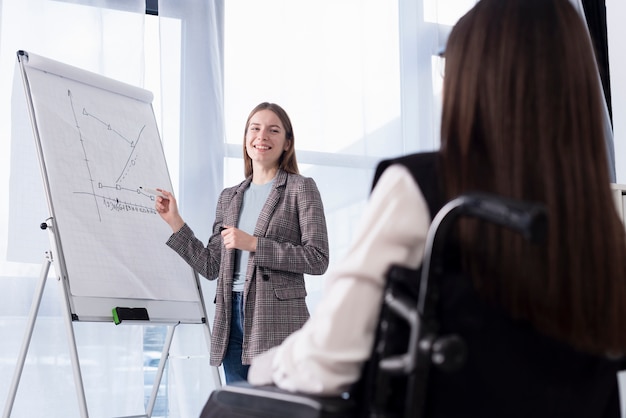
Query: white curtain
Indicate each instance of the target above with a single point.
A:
(191, 49)
(105, 37)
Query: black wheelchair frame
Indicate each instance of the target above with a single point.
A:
(394, 380)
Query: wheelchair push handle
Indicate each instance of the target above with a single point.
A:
(527, 218)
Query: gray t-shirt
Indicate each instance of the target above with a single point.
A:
(253, 200)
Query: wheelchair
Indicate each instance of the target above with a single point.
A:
(429, 356)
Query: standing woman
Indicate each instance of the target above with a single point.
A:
(268, 232)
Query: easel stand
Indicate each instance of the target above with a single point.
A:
(32, 316)
(78, 380)
(34, 309)
(102, 213)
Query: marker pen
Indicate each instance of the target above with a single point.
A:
(151, 191)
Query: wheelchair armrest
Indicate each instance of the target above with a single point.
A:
(242, 399)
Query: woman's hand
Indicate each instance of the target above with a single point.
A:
(167, 207)
(237, 239)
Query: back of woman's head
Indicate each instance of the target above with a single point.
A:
(523, 117)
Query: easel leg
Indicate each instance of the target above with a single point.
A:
(157, 380)
(34, 310)
(78, 379)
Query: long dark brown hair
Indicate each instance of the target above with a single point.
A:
(523, 117)
(287, 160)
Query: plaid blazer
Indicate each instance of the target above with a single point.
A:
(292, 241)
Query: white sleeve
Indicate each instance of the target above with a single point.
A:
(326, 355)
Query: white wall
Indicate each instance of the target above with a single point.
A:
(616, 30)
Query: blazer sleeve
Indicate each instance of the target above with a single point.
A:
(203, 259)
(311, 254)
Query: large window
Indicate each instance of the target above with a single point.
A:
(335, 68)
(360, 80)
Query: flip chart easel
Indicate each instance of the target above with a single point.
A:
(98, 147)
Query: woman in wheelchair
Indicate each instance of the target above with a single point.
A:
(545, 324)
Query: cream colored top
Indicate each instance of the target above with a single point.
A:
(326, 355)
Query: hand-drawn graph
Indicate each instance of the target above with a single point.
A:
(98, 147)
(124, 192)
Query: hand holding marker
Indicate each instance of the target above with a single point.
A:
(159, 194)
(166, 207)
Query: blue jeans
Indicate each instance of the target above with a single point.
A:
(233, 369)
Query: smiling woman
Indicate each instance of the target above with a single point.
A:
(269, 230)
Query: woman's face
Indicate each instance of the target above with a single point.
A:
(265, 139)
